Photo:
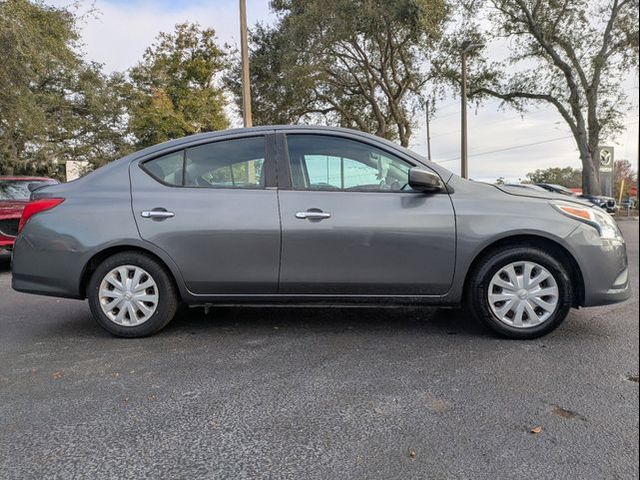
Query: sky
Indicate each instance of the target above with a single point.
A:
(502, 143)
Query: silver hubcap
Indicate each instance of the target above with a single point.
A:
(128, 295)
(523, 294)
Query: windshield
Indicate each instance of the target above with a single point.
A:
(17, 189)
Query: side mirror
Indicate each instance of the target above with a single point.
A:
(423, 180)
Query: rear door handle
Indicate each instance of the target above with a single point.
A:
(157, 213)
(312, 215)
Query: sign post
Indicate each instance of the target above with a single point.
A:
(605, 154)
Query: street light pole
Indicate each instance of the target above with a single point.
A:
(428, 134)
(464, 161)
(466, 47)
(244, 47)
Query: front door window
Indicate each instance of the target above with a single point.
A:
(321, 162)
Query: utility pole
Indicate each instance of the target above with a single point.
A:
(244, 47)
(466, 47)
(428, 134)
(464, 161)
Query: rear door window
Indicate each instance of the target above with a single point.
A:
(234, 163)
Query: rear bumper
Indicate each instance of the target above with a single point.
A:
(40, 269)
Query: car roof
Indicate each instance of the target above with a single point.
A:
(201, 138)
(263, 129)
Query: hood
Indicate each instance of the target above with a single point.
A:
(525, 192)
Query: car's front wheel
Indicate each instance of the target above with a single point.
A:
(521, 292)
(132, 295)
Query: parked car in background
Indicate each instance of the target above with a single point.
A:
(554, 188)
(628, 204)
(608, 204)
(528, 186)
(303, 215)
(14, 195)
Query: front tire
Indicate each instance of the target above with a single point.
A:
(521, 292)
(132, 295)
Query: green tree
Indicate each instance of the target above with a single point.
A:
(352, 63)
(174, 88)
(53, 105)
(571, 54)
(566, 176)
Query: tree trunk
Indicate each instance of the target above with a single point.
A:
(405, 135)
(589, 159)
(590, 173)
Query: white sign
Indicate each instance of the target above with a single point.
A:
(606, 159)
(75, 169)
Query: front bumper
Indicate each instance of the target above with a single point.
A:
(603, 264)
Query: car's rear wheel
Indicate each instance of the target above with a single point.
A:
(521, 292)
(132, 295)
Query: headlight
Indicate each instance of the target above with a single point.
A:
(598, 219)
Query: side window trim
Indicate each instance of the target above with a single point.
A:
(283, 164)
(184, 167)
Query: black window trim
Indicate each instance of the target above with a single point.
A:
(269, 166)
(284, 164)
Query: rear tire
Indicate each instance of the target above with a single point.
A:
(519, 312)
(132, 295)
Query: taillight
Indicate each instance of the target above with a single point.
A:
(37, 206)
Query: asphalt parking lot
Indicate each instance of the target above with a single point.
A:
(316, 393)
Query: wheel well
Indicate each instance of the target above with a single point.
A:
(557, 250)
(99, 257)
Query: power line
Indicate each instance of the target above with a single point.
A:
(509, 148)
(455, 103)
(517, 146)
(515, 117)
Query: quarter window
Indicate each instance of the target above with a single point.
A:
(322, 162)
(167, 169)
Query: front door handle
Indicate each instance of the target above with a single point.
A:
(157, 213)
(313, 215)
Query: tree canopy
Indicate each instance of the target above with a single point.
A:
(353, 63)
(625, 179)
(571, 54)
(566, 176)
(54, 106)
(174, 90)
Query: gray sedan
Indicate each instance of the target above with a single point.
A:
(300, 215)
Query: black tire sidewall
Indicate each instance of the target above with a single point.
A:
(167, 295)
(478, 299)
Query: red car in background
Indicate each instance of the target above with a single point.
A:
(14, 195)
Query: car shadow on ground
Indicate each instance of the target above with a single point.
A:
(71, 318)
(241, 320)
(423, 320)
